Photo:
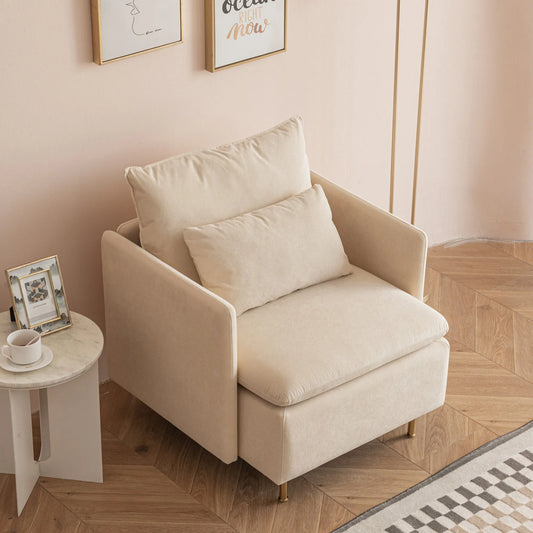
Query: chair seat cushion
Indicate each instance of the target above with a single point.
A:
(320, 337)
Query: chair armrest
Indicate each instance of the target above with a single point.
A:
(172, 344)
(377, 241)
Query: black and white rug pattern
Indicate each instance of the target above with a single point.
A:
(490, 490)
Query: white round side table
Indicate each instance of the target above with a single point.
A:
(69, 401)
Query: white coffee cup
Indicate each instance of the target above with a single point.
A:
(23, 347)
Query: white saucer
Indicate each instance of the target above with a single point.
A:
(46, 359)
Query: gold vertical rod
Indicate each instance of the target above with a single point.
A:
(394, 108)
(283, 493)
(418, 120)
(411, 429)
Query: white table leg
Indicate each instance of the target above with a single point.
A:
(70, 429)
(26, 468)
(7, 460)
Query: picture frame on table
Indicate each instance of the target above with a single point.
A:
(131, 27)
(240, 31)
(38, 295)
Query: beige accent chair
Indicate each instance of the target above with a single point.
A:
(298, 381)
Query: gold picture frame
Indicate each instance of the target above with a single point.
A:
(248, 35)
(38, 296)
(130, 28)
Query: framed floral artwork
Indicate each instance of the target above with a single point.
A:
(39, 300)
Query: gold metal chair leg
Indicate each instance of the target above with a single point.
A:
(411, 429)
(283, 493)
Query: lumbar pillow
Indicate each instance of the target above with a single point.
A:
(260, 256)
(202, 187)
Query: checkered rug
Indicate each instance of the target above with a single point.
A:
(490, 490)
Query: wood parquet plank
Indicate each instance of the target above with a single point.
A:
(458, 305)
(178, 457)
(133, 496)
(504, 246)
(488, 393)
(471, 373)
(495, 332)
(177, 528)
(523, 341)
(456, 346)
(115, 402)
(301, 514)
(477, 435)
(506, 281)
(481, 266)
(9, 522)
(332, 515)
(496, 285)
(84, 528)
(449, 436)
(360, 490)
(442, 436)
(463, 250)
(413, 449)
(115, 452)
(366, 476)
(215, 484)
(524, 251)
(255, 502)
(42, 513)
(366, 457)
(57, 517)
(500, 415)
(142, 430)
(519, 301)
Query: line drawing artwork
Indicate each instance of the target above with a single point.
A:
(135, 12)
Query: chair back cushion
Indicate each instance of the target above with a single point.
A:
(208, 186)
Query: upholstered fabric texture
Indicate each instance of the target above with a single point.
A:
(257, 257)
(318, 338)
(208, 186)
(377, 241)
(161, 350)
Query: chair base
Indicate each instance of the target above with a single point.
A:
(283, 493)
(286, 442)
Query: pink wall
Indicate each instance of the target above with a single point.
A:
(477, 155)
(69, 127)
(476, 161)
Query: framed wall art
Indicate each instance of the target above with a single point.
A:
(238, 31)
(122, 28)
(38, 295)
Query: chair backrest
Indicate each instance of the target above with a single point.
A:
(212, 185)
(130, 228)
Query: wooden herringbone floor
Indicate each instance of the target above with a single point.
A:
(158, 480)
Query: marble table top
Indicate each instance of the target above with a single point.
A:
(75, 350)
